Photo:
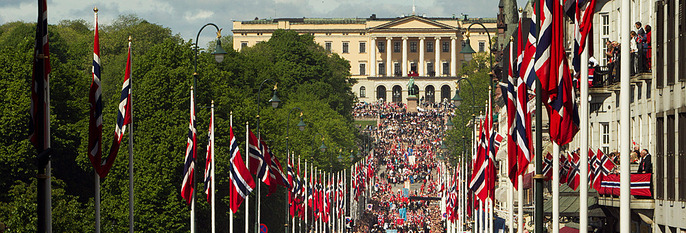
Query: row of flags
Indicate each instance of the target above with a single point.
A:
(319, 195)
(483, 178)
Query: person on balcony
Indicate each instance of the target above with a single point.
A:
(645, 166)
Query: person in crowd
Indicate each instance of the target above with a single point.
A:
(633, 49)
(640, 39)
(646, 165)
(647, 47)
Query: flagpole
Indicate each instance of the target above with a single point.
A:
(247, 165)
(131, 196)
(212, 177)
(96, 175)
(230, 177)
(510, 206)
(300, 222)
(306, 196)
(290, 194)
(520, 206)
(625, 122)
(583, 127)
(556, 186)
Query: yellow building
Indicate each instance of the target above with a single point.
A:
(429, 47)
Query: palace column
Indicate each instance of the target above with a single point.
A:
(437, 51)
(372, 58)
(389, 62)
(453, 56)
(404, 65)
(420, 64)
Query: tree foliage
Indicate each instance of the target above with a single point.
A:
(309, 78)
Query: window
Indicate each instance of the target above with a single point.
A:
(649, 89)
(396, 47)
(659, 40)
(363, 47)
(682, 41)
(413, 47)
(327, 45)
(363, 92)
(605, 24)
(670, 159)
(381, 46)
(396, 69)
(363, 68)
(429, 46)
(345, 47)
(430, 69)
(382, 69)
(446, 47)
(682, 156)
(671, 41)
(446, 68)
(659, 159)
(482, 46)
(244, 44)
(605, 137)
(639, 87)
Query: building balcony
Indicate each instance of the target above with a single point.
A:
(604, 81)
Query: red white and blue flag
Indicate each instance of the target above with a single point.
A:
(256, 159)
(123, 119)
(511, 91)
(241, 182)
(95, 100)
(478, 180)
(208, 160)
(574, 174)
(525, 80)
(548, 167)
(189, 158)
(39, 128)
(276, 176)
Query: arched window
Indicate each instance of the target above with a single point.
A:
(445, 93)
(430, 94)
(381, 93)
(397, 94)
(363, 92)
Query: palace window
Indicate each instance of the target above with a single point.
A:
(446, 47)
(345, 47)
(396, 47)
(482, 46)
(382, 69)
(396, 69)
(244, 44)
(363, 92)
(381, 46)
(446, 68)
(413, 47)
(363, 47)
(363, 68)
(429, 46)
(327, 46)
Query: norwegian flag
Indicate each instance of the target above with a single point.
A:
(593, 165)
(599, 170)
(528, 70)
(124, 118)
(564, 168)
(39, 127)
(209, 156)
(548, 167)
(293, 183)
(523, 113)
(574, 174)
(341, 203)
(256, 159)
(276, 176)
(478, 179)
(241, 182)
(582, 13)
(189, 159)
(511, 115)
(543, 47)
(95, 100)
(562, 110)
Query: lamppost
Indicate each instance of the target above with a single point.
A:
(301, 125)
(275, 103)
(219, 57)
(468, 51)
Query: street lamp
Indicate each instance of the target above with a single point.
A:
(219, 57)
(467, 50)
(275, 103)
(301, 126)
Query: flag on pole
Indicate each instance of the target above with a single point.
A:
(95, 100)
(292, 192)
(256, 159)
(208, 160)
(548, 167)
(276, 176)
(189, 159)
(478, 179)
(523, 113)
(241, 182)
(39, 128)
(124, 118)
(599, 170)
(511, 115)
(574, 174)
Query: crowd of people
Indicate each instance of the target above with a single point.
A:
(405, 153)
(640, 48)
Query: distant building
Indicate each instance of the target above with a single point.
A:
(383, 52)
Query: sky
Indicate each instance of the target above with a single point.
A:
(186, 17)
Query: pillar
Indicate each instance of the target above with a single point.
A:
(372, 58)
(453, 56)
(404, 64)
(389, 62)
(437, 61)
(420, 64)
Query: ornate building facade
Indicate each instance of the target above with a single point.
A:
(384, 52)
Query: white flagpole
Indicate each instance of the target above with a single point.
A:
(306, 196)
(625, 122)
(247, 164)
(491, 205)
(510, 206)
(193, 180)
(556, 188)
(481, 217)
(230, 177)
(96, 175)
(520, 206)
(293, 180)
(583, 131)
(212, 177)
(131, 196)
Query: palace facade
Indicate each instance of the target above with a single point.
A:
(383, 52)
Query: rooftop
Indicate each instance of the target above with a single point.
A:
(304, 20)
